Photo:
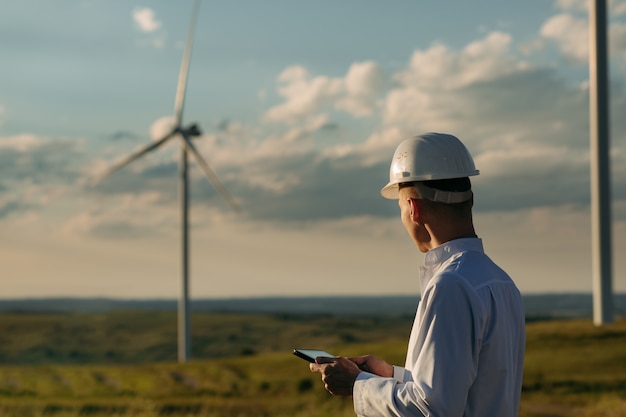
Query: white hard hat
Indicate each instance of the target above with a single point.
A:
(431, 156)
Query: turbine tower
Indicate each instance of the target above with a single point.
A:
(600, 159)
(186, 147)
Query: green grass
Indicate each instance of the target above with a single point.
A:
(150, 336)
(575, 367)
(572, 367)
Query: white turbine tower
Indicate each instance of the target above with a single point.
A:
(184, 134)
(600, 159)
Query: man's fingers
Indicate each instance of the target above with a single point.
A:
(314, 367)
(359, 360)
(320, 361)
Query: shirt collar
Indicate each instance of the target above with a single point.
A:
(443, 252)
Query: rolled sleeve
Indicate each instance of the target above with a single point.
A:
(374, 395)
(402, 374)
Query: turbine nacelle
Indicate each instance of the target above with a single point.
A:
(192, 131)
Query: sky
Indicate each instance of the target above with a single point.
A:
(301, 105)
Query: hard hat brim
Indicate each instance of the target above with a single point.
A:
(391, 191)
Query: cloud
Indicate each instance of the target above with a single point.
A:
(526, 126)
(38, 159)
(569, 31)
(441, 68)
(303, 94)
(617, 42)
(35, 171)
(145, 19)
(430, 86)
(134, 215)
(306, 95)
(618, 8)
(571, 34)
(10, 207)
(363, 83)
(147, 23)
(22, 142)
(573, 5)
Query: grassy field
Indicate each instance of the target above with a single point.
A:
(121, 364)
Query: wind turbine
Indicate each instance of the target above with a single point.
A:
(184, 134)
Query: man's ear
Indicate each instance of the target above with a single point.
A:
(414, 209)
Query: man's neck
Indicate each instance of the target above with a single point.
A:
(439, 237)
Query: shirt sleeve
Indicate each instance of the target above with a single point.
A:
(445, 363)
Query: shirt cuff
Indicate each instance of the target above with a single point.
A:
(371, 395)
(402, 374)
(365, 375)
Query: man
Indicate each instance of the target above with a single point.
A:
(466, 350)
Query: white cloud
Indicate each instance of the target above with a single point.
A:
(145, 19)
(376, 149)
(260, 159)
(573, 5)
(569, 30)
(364, 82)
(22, 143)
(571, 34)
(513, 117)
(439, 68)
(617, 40)
(618, 8)
(132, 215)
(520, 122)
(304, 95)
(487, 58)
(534, 160)
(428, 92)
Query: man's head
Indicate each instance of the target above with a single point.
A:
(429, 175)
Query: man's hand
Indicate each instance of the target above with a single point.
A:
(373, 365)
(338, 374)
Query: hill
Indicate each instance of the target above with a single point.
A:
(538, 306)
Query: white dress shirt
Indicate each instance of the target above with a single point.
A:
(466, 350)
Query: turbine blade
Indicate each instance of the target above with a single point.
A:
(181, 88)
(130, 158)
(209, 173)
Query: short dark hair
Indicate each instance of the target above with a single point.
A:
(452, 184)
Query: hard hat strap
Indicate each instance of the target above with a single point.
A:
(440, 196)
